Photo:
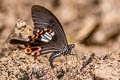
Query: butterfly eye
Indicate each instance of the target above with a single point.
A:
(28, 50)
(41, 31)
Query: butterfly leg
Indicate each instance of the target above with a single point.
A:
(53, 56)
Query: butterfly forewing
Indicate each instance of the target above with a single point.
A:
(43, 18)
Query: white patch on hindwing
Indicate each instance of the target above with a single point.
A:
(46, 37)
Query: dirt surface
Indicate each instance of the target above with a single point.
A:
(92, 25)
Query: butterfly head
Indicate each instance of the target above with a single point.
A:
(71, 46)
(68, 49)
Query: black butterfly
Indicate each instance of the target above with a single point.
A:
(48, 35)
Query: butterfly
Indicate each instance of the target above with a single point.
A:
(48, 36)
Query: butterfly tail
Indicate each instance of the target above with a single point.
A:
(16, 41)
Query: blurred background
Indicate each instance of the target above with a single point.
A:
(90, 22)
